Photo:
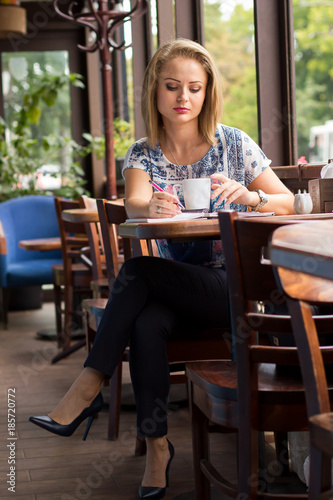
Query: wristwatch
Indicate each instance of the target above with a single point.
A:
(263, 200)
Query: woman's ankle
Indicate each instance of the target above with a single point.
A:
(158, 443)
(87, 385)
(156, 462)
(79, 396)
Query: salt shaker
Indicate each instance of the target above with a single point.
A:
(303, 203)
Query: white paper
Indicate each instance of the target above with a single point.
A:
(198, 215)
(177, 218)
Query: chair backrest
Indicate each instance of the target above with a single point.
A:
(252, 282)
(304, 285)
(96, 257)
(27, 218)
(111, 214)
(302, 290)
(73, 235)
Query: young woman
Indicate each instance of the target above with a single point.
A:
(181, 105)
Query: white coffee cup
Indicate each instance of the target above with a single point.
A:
(196, 193)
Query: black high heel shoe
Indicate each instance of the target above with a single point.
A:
(50, 425)
(156, 491)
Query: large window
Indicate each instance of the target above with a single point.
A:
(229, 37)
(23, 73)
(313, 21)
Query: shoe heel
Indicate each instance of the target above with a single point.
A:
(90, 421)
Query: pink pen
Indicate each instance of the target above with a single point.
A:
(160, 189)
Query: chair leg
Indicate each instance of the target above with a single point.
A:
(282, 452)
(66, 352)
(262, 462)
(114, 412)
(90, 332)
(140, 447)
(57, 305)
(115, 402)
(320, 473)
(200, 445)
(5, 297)
(68, 320)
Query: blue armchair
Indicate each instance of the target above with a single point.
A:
(25, 218)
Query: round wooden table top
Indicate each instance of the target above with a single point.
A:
(41, 244)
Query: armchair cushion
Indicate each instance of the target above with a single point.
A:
(27, 218)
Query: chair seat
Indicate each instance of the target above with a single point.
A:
(95, 307)
(100, 287)
(80, 273)
(31, 272)
(216, 381)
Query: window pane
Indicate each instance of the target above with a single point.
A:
(229, 35)
(21, 74)
(313, 22)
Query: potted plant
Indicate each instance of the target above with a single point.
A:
(122, 140)
(51, 163)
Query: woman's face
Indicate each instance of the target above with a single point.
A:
(181, 91)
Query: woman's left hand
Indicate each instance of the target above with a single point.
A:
(230, 191)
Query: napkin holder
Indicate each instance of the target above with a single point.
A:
(321, 192)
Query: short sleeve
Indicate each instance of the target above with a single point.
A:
(138, 156)
(242, 159)
(255, 160)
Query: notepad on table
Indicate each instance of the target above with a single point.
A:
(184, 216)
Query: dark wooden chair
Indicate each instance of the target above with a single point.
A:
(94, 256)
(256, 391)
(71, 280)
(302, 291)
(208, 345)
(115, 252)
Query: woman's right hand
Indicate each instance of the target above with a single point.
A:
(143, 201)
(163, 204)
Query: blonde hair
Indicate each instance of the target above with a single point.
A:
(212, 107)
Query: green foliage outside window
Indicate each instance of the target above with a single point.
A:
(313, 23)
(23, 154)
(27, 152)
(231, 42)
(230, 39)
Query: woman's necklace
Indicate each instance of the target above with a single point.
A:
(190, 158)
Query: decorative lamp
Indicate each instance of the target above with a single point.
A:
(13, 19)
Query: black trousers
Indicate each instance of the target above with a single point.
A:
(150, 298)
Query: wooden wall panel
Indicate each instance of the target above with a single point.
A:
(276, 80)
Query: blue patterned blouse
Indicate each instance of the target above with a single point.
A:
(235, 155)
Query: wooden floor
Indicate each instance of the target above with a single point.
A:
(49, 467)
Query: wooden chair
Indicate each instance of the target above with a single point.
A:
(71, 280)
(94, 308)
(302, 291)
(254, 392)
(104, 278)
(208, 345)
(94, 256)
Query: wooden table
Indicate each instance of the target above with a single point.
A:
(41, 244)
(85, 214)
(80, 215)
(307, 248)
(198, 228)
(174, 231)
